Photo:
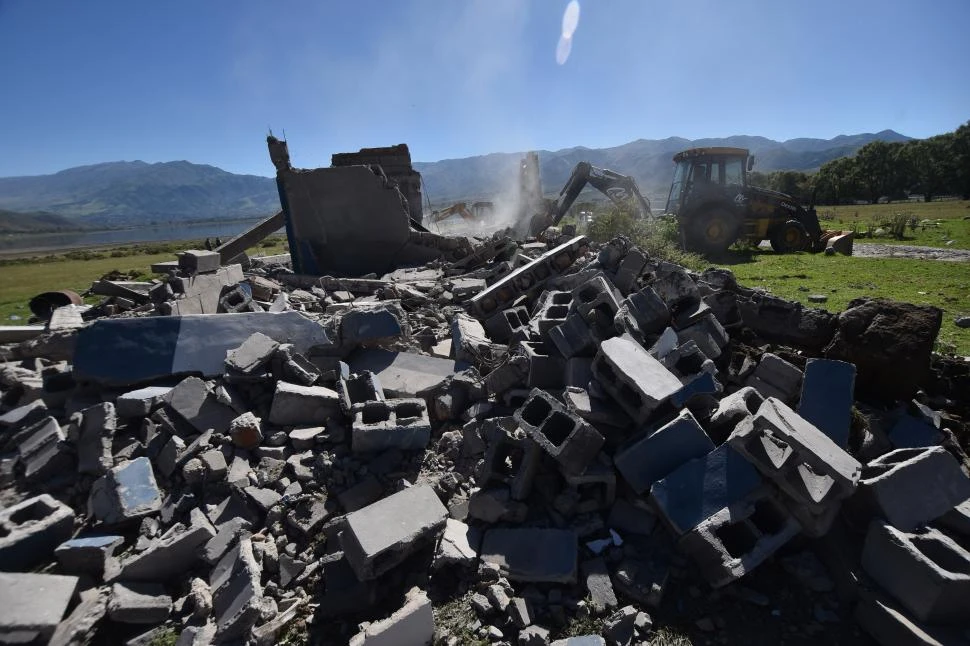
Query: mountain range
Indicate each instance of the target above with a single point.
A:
(137, 193)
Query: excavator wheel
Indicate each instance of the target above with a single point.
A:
(713, 231)
(790, 237)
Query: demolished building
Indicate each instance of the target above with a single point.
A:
(378, 440)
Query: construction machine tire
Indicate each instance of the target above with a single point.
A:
(790, 237)
(713, 231)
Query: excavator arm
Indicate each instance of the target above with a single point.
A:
(621, 189)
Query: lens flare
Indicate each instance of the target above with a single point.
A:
(563, 48)
(570, 19)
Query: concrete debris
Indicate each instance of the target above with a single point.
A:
(453, 440)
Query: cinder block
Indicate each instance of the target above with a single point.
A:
(394, 423)
(925, 571)
(775, 377)
(253, 355)
(673, 284)
(501, 294)
(731, 411)
(380, 536)
(356, 390)
(139, 603)
(828, 392)
(410, 625)
(199, 261)
(911, 432)
(30, 530)
(566, 437)
(708, 334)
(511, 459)
(642, 312)
(687, 360)
(703, 486)
(886, 621)
(550, 311)
(578, 372)
(140, 402)
(532, 554)
(808, 466)
(573, 337)
(546, 365)
(736, 539)
(658, 452)
(295, 405)
(87, 555)
(596, 302)
(637, 381)
(595, 487)
(631, 268)
(509, 324)
(43, 452)
(724, 306)
(911, 487)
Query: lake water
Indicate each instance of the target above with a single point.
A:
(13, 243)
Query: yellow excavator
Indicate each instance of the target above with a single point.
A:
(478, 212)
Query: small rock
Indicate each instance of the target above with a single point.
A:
(962, 321)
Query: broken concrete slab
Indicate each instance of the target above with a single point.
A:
(140, 402)
(35, 615)
(87, 555)
(295, 405)
(253, 355)
(139, 603)
(172, 555)
(94, 448)
(532, 554)
(237, 594)
(129, 351)
(193, 401)
(126, 492)
(410, 625)
(828, 392)
(458, 546)
(80, 626)
(31, 529)
(402, 374)
(43, 451)
(378, 537)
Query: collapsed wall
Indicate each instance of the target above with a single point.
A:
(502, 447)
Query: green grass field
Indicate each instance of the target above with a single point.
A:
(23, 278)
(939, 223)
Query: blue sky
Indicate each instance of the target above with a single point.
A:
(92, 81)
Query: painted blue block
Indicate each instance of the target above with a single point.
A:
(704, 486)
(911, 433)
(702, 384)
(828, 391)
(658, 453)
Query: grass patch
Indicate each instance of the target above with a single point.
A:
(842, 278)
(168, 637)
(456, 617)
(927, 224)
(23, 278)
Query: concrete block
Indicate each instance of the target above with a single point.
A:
(595, 410)
(724, 306)
(828, 392)
(528, 278)
(550, 310)
(888, 623)
(702, 487)
(94, 445)
(295, 405)
(573, 337)
(410, 625)
(380, 536)
(80, 626)
(927, 572)
(31, 529)
(126, 492)
(237, 594)
(775, 377)
(511, 459)
(532, 554)
(25, 415)
(173, 554)
(593, 489)
(736, 539)
(596, 301)
(87, 555)
(658, 452)
(358, 389)
(365, 492)
(642, 314)
(264, 498)
(253, 355)
(808, 466)
(43, 452)
(582, 640)
(199, 261)
(687, 360)
(563, 435)
(631, 517)
(708, 334)
(469, 341)
(546, 365)
(637, 381)
(911, 432)
(194, 402)
(957, 520)
(509, 324)
(140, 402)
(139, 603)
(631, 267)
(731, 411)
(126, 351)
(402, 374)
(393, 423)
(911, 487)
(32, 605)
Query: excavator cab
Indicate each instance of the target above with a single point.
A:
(715, 205)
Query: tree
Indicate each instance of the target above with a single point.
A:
(837, 181)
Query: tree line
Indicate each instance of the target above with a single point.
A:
(930, 167)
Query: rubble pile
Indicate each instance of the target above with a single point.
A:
(557, 442)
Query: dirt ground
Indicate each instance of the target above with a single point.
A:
(906, 251)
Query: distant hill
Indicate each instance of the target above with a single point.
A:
(124, 193)
(38, 222)
(134, 193)
(647, 160)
